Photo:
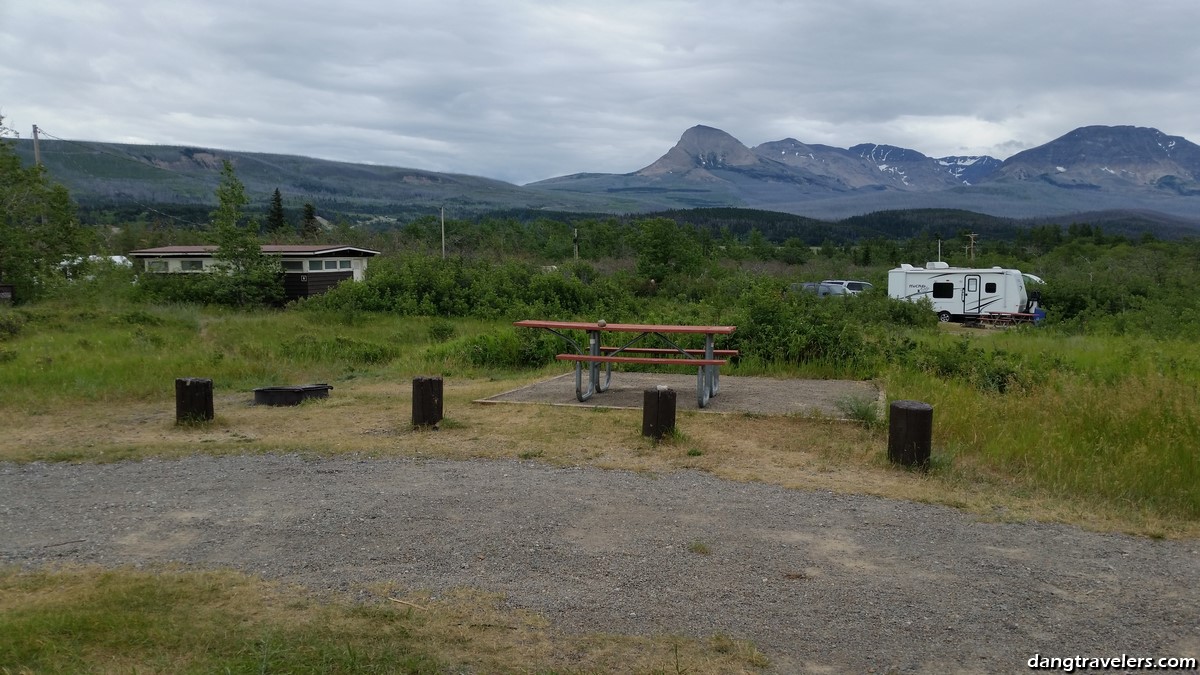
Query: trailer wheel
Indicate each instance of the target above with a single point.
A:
(944, 317)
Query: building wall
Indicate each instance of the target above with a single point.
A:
(302, 276)
(356, 266)
(179, 265)
(303, 284)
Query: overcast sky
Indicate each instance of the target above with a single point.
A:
(522, 90)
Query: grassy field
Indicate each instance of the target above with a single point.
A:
(1111, 423)
(1114, 423)
(1099, 432)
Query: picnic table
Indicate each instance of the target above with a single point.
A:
(1004, 319)
(707, 361)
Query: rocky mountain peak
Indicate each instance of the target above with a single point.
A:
(1096, 156)
(702, 149)
(885, 154)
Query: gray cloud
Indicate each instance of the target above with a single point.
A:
(526, 90)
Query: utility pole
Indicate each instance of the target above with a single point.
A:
(37, 150)
(37, 160)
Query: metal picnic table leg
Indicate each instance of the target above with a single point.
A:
(594, 350)
(603, 386)
(702, 394)
(714, 373)
(707, 377)
(594, 366)
(579, 392)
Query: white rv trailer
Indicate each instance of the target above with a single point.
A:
(961, 292)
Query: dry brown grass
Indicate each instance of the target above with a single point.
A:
(372, 418)
(219, 611)
(472, 628)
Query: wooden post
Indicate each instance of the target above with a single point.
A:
(910, 433)
(427, 401)
(658, 412)
(193, 400)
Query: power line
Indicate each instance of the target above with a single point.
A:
(121, 157)
(99, 150)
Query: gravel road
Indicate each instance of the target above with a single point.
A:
(818, 581)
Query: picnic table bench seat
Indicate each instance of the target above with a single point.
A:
(590, 352)
(667, 350)
(1002, 319)
(650, 360)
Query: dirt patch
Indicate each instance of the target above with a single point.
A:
(754, 395)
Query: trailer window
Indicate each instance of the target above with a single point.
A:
(990, 287)
(943, 289)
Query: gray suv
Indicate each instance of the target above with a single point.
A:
(821, 290)
(852, 287)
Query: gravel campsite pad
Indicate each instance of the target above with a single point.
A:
(818, 581)
(756, 395)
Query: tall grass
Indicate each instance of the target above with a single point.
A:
(1113, 421)
(1111, 418)
(63, 353)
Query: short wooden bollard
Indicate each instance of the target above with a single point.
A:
(910, 433)
(193, 400)
(427, 401)
(658, 412)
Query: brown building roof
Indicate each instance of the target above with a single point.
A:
(314, 250)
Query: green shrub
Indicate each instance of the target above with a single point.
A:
(804, 329)
(199, 289)
(418, 285)
(994, 370)
(511, 348)
(441, 330)
(11, 325)
(861, 409)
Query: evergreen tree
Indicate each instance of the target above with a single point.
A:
(760, 248)
(794, 251)
(244, 276)
(665, 248)
(276, 220)
(38, 227)
(864, 254)
(310, 229)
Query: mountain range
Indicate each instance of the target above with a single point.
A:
(1094, 168)
(1089, 169)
